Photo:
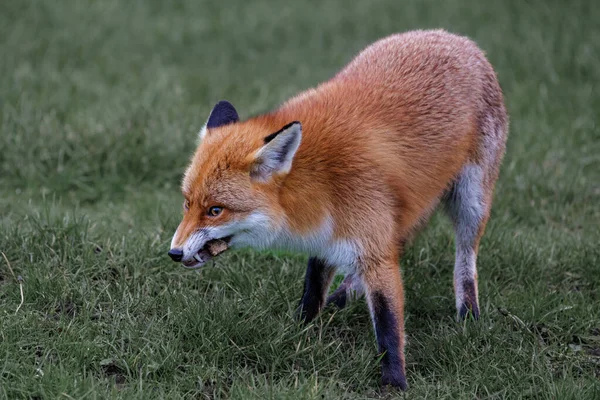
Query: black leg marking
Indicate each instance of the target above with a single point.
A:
(469, 301)
(388, 340)
(316, 283)
(351, 288)
(338, 298)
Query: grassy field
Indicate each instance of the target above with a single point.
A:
(100, 103)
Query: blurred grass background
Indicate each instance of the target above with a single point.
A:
(100, 103)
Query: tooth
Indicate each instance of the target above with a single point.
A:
(198, 258)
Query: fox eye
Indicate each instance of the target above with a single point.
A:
(214, 211)
(186, 205)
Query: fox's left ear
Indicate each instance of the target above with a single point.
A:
(223, 113)
(276, 156)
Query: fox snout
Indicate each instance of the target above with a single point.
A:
(199, 247)
(176, 254)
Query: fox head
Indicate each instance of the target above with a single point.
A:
(231, 185)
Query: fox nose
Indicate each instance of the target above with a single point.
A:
(176, 254)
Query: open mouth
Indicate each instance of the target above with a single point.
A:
(211, 249)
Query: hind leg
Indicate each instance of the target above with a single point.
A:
(468, 204)
(350, 288)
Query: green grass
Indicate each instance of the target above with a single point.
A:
(100, 103)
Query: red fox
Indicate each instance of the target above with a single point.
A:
(349, 170)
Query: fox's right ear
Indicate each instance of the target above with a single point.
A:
(276, 155)
(223, 113)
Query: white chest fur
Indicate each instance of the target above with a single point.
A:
(340, 253)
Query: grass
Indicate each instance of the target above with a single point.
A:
(100, 102)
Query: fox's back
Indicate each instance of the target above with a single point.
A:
(417, 82)
(409, 104)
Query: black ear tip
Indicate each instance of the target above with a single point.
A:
(287, 126)
(292, 124)
(223, 103)
(223, 113)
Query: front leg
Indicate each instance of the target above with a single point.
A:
(385, 296)
(316, 284)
